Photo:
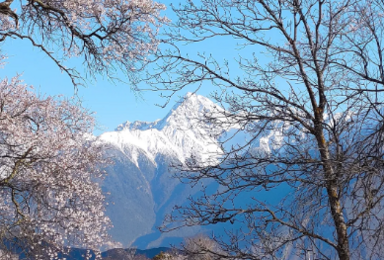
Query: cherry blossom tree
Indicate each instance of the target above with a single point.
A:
(106, 34)
(50, 170)
(50, 162)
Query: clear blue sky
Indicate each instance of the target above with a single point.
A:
(113, 103)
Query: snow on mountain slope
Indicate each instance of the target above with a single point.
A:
(140, 182)
(180, 134)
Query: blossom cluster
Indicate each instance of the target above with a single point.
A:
(49, 174)
(103, 32)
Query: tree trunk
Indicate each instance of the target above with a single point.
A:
(333, 197)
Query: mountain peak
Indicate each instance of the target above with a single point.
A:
(181, 134)
(194, 102)
(191, 106)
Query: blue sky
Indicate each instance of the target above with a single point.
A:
(113, 103)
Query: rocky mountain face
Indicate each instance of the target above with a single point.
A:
(142, 190)
(140, 182)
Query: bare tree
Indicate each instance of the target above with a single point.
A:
(314, 82)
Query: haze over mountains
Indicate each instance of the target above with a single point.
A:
(140, 182)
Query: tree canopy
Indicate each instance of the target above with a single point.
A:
(105, 34)
(50, 170)
(51, 164)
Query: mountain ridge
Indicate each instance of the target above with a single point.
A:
(140, 182)
(180, 133)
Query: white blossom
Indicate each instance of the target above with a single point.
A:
(49, 172)
(105, 33)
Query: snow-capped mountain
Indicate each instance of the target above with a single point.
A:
(180, 134)
(140, 184)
